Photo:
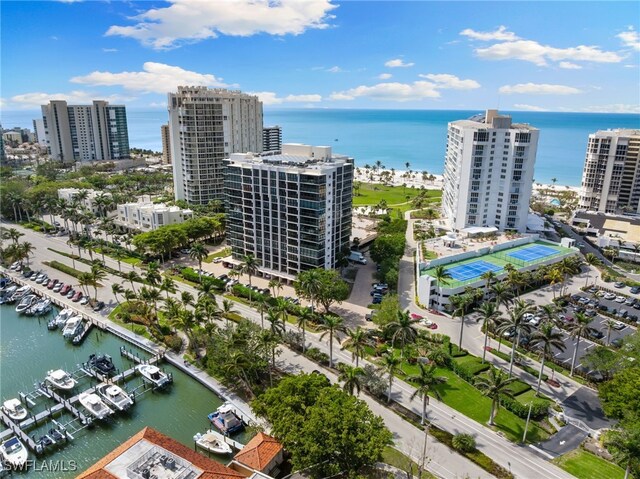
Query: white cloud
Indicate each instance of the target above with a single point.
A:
(109, 50)
(155, 78)
(385, 76)
(613, 108)
(630, 38)
(392, 91)
(53, 37)
(398, 63)
(538, 89)
(271, 98)
(445, 80)
(335, 69)
(191, 21)
(569, 66)
(534, 52)
(35, 99)
(522, 106)
(500, 34)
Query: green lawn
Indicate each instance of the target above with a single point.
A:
(466, 399)
(220, 254)
(585, 465)
(395, 196)
(395, 458)
(528, 396)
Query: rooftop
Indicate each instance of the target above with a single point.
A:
(259, 452)
(159, 454)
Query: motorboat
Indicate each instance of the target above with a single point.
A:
(226, 420)
(72, 327)
(60, 379)
(43, 307)
(52, 325)
(14, 453)
(7, 293)
(14, 409)
(213, 442)
(26, 302)
(57, 435)
(19, 293)
(114, 396)
(94, 405)
(102, 363)
(79, 337)
(63, 316)
(153, 374)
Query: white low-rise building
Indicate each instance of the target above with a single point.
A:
(146, 216)
(86, 199)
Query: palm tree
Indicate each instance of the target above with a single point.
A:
(132, 276)
(187, 298)
(442, 277)
(549, 313)
(425, 382)
(227, 309)
(118, 255)
(168, 285)
(26, 249)
(610, 323)
(546, 339)
(281, 307)
(198, 252)
(332, 325)
(249, 266)
(579, 329)
(516, 323)
(262, 305)
(490, 317)
(97, 274)
(495, 385)
(275, 285)
(116, 289)
(152, 275)
(391, 365)
(460, 303)
(554, 276)
(352, 378)
(488, 277)
(357, 340)
(275, 325)
(591, 259)
(403, 330)
(305, 317)
(309, 286)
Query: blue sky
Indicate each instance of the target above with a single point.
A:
(556, 56)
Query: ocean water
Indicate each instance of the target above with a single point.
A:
(397, 137)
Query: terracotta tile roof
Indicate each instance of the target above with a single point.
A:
(259, 452)
(210, 468)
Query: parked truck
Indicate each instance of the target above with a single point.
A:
(357, 257)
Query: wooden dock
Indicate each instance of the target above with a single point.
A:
(14, 429)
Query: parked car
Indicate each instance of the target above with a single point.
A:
(77, 297)
(33, 276)
(618, 284)
(15, 266)
(377, 299)
(591, 313)
(630, 301)
(635, 290)
(576, 297)
(596, 334)
(217, 260)
(84, 300)
(71, 293)
(65, 289)
(98, 306)
(42, 279)
(622, 313)
(620, 299)
(616, 343)
(619, 326)
(51, 283)
(58, 287)
(609, 296)
(603, 307)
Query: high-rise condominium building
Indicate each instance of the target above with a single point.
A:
(86, 132)
(166, 144)
(611, 176)
(272, 138)
(488, 172)
(205, 127)
(292, 211)
(38, 131)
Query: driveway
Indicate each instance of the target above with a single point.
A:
(566, 439)
(585, 405)
(360, 293)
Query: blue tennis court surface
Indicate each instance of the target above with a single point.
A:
(533, 253)
(472, 270)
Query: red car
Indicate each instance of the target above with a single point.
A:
(77, 297)
(65, 289)
(52, 283)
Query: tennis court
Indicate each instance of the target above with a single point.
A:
(472, 270)
(533, 253)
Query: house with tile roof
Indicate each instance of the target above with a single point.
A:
(262, 454)
(150, 453)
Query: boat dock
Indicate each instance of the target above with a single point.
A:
(221, 437)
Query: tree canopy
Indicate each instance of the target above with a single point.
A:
(320, 424)
(620, 394)
(329, 286)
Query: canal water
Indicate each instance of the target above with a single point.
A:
(28, 350)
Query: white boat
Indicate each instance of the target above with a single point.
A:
(225, 419)
(63, 316)
(72, 327)
(14, 409)
(213, 442)
(94, 405)
(153, 375)
(14, 453)
(114, 396)
(60, 379)
(43, 306)
(26, 302)
(8, 292)
(20, 292)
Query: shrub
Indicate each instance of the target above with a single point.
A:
(318, 356)
(173, 342)
(539, 408)
(518, 387)
(244, 292)
(462, 371)
(64, 268)
(463, 442)
(191, 275)
(373, 382)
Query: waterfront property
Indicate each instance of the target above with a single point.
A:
(466, 269)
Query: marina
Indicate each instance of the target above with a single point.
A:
(57, 424)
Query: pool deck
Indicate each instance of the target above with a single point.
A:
(501, 259)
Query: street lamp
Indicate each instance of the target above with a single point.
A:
(526, 426)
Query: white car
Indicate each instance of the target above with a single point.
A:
(620, 299)
(217, 260)
(535, 321)
(426, 322)
(609, 296)
(84, 300)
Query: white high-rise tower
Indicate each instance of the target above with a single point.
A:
(205, 126)
(488, 172)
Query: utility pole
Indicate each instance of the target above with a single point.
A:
(526, 426)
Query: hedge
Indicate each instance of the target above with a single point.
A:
(475, 366)
(507, 357)
(539, 409)
(64, 268)
(518, 387)
(190, 275)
